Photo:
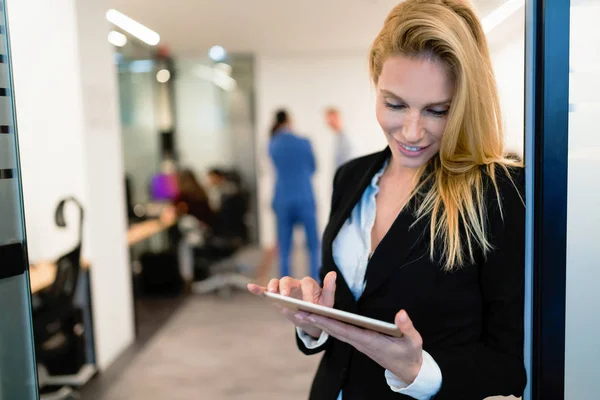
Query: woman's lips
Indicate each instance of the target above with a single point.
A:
(411, 151)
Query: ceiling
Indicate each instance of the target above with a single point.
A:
(191, 27)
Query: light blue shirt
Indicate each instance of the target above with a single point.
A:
(351, 253)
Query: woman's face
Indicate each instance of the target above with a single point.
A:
(413, 100)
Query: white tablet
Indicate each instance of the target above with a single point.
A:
(353, 319)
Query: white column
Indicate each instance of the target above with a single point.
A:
(67, 112)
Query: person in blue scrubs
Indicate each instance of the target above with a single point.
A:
(294, 201)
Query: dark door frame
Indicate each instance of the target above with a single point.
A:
(547, 140)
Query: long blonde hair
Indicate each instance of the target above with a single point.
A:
(451, 192)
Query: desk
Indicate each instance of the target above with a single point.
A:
(41, 275)
(143, 230)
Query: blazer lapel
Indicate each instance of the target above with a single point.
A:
(359, 180)
(395, 247)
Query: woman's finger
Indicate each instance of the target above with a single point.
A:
(328, 293)
(311, 291)
(297, 318)
(286, 285)
(256, 289)
(273, 286)
(302, 315)
(339, 329)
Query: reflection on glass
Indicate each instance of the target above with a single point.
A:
(137, 84)
(18, 379)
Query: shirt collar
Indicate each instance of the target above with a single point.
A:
(377, 176)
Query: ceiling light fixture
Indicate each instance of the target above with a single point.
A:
(217, 53)
(163, 76)
(117, 38)
(498, 16)
(133, 27)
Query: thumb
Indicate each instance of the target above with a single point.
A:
(328, 293)
(406, 326)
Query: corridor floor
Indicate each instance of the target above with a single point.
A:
(216, 348)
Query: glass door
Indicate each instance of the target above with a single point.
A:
(18, 379)
(582, 322)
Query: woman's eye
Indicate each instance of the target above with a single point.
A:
(394, 106)
(438, 113)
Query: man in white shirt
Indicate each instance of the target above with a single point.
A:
(342, 145)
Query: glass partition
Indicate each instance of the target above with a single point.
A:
(583, 213)
(18, 379)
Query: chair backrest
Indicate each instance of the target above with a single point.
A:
(67, 266)
(67, 274)
(231, 219)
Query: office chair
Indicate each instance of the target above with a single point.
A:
(229, 236)
(49, 391)
(57, 322)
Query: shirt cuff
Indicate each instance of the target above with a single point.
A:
(425, 386)
(309, 341)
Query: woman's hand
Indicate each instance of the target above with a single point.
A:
(306, 289)
(401, 356)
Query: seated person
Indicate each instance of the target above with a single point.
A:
(220, 185)
(193, 199)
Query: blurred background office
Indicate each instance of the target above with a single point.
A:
(155, 116)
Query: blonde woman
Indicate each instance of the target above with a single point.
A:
(429, 233)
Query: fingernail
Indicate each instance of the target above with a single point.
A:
(403, 316)
(299, 316)
(284, 293)
(312, 319)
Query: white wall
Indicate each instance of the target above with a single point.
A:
(509, 65)
(305, 86)
(108, 252)
(70, 145)
(507, 48)
(49, 116)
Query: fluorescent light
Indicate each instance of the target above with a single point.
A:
(501, 13)
(217, 53)
(117, 38)
(133, 27)
(163, 76)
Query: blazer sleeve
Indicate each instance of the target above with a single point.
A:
(494, 365)
(334, 201)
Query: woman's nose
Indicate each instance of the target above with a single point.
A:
(413, 130)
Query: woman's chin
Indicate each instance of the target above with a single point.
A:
(411, 162)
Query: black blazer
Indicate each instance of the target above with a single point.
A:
(471, 320)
